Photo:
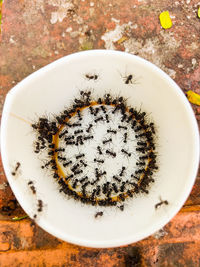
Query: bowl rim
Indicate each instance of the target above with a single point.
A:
(191, 176)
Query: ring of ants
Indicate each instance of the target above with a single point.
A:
(146, 148)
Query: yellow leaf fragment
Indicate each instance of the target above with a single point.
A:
(122, 39)
(193, 97)
(198, 13)
(165, 20)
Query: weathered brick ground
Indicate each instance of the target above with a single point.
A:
(35, 33)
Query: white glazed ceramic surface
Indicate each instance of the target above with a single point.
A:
(52, 88)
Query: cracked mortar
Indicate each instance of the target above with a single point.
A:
(157, 49)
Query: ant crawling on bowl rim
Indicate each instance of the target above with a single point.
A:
(16, 169)
(129, 78)
(162, 202)
(92, 76)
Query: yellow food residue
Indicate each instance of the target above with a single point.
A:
(165, 20)
(198, 13)
(193, 97)
(122, 39)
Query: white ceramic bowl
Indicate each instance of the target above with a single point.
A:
(52, 88)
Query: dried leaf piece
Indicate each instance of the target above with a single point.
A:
(193, 97)
(165, 20)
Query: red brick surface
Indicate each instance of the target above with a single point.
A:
(35, 33)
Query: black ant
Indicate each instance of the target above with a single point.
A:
(93, 195)
(70, 143)
(129, 118)
(62, 158)
(51, 146)
(143, 157)
(101, 173)
(98, 214)
(152, 127)
(83, 163)
(80, 156)
(79, 114)
(55, 175)
(76, 125)
(111, 153)
(122, 171)
(66, 112)
(107, 141)
(32, 187)
(103, 109)
(85, 185)
(69, 177)
(126, 152)
(96, 111)
(67, 163)
(120, 107)
(88, 137)
(141, 149)
(121, 207)
(123, 117)
(105, 188)
(138, 128)
(161, 203)
(87, 94)
(122, 187)
(34, 126)
(140, 163)
(144, 190)
(152, 155)
(79, 139)
(78, 172)
(99, 101)
(122, 127)
(139, 171)
(83, 179)
(107, 99)
(109, 193)
(112, 131)
(75, 184)
(59, 150)
(107, 118)
(89, 128)
(99, 119)
(116, 178)
(40, 205)
(98, 190)
(16, 168)
(125, 137)
(122, 198)
(133, 176)
(129, 193)
(75, 167)
(91, 110)
(69, 138)
(99, 160)
(91, 77)
(133, 124)
(99, 150)
(115, 188)
(78, 131)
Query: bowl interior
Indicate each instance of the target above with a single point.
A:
(52, 88)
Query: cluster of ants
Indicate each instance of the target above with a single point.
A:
(98, 190)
